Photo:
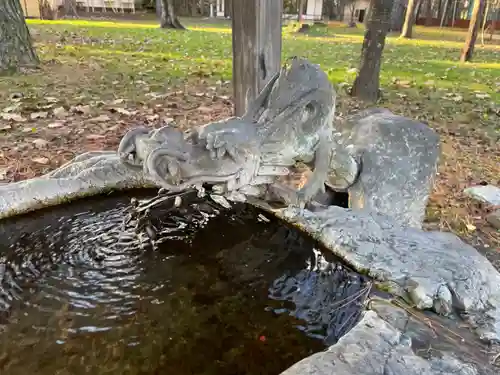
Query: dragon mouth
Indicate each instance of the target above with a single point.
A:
(131, 160)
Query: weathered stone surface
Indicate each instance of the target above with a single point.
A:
(434, 270)
(489, 194)
(88, 174)
(494, 219)
(399, 158)
(290, 121)
(374, 347)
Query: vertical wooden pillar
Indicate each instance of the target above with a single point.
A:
(256, 47)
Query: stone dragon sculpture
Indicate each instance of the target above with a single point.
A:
(291, 121)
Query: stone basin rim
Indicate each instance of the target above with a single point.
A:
(98, 173)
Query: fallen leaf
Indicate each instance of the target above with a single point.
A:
(5, 127)
(11, 108)
(40, 143)
(41, 160)
(36, 115)
(470, 227)
(13, 117)
(481, 95)
(51, 99)
(95, 136)
(101, 118)
(55, 125)
(60, 112)
(122, 111)
(405, 84)
(204, 109)
(85, 109)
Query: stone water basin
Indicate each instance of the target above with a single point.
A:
(219, 292)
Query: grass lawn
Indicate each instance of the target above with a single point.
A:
(99, 78)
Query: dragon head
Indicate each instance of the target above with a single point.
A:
(297, 101)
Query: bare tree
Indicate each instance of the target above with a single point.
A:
(47, 10)
(352, 9)
(428, 13)
(168, 18)
(70, 8)
(493, 13)
(494, 20)
(409, 19)
(366, 85)
(445, 12)
(475, 24)
(16, 49)
(300, 11)
(485, 20)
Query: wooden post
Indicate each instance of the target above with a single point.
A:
(256, 47)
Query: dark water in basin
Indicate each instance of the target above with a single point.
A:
(221, 292)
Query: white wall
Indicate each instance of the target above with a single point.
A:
(314, 10)
(358, 5)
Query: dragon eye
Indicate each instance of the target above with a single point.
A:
(310, 108)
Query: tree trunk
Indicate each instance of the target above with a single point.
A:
(16, 49)
(475, 24)
(439, 9)
(419, 8)
(428, 13)
(70, 8)
(193, 5)
(368, 15)
(227, 8)
(168, 19)
(454, 14)
(397, 15)
(493, 24)
(485, 20)
(300, 11)
(352, 23)
(409, 19)
(47, 11)
(445, 12)
(256, 42)
(366, 84)
(159, 7)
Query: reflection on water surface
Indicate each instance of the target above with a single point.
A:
(222, 292)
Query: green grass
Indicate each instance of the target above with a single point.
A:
(142, 48)
(124, 52)
(113, 56)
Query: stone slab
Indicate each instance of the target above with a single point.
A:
(488, 194)
(433, 270)
(494, 219)
(399, 159)
(375, 347)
